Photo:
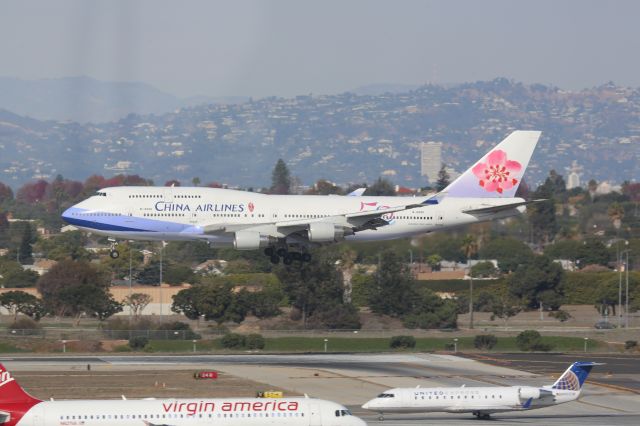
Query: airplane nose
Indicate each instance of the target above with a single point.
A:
(366, 405)
(66, 214)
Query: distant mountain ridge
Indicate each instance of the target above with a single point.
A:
(343, 138)
(84, 99)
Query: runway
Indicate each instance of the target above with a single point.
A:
(352, 379)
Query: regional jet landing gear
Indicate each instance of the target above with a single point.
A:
(113, 251)
(481, 416)
(288, 257)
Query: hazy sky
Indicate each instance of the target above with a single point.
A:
(260, 48)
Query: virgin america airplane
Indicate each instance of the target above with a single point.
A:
(18, 408)
(285, 226)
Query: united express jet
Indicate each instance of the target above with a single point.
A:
(483, 401)
(285, 226)
(18, 408)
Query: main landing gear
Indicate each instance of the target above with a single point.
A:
(288, 257)
(113, 251)
(482, 416)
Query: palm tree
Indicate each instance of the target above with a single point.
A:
(347, 260)
(470, 248)
(616, 213)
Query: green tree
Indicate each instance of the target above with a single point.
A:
(509, 253)
(393, 290)
(381, 187)
(616, 214)
(504, 306)
(68, 245)
(25, 252)
(443, 179)
(483, 270)
(280, 178)
(18, 302)
(13, 275)
(315, 288)
(213, 300)
(324, 187)
(77, 288)
(538, 281)
(592, 252)
(137, 302)
(565, 249)
(542, 215)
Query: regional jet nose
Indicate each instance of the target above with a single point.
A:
(366, 405)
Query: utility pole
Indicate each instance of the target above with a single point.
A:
(470, 301)
(160, 288)
(626, 291)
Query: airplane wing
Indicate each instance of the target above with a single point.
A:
(353, 221)
(502, 207)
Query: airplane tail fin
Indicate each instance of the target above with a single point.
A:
(499, 173)
(11, 393)
(574, 377)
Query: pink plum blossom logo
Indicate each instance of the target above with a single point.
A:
(251, 207)
(497, 173)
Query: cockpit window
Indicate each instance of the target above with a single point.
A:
(340, 413)
(101, 194)
(386, 395)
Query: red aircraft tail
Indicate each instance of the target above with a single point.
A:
(14, 401)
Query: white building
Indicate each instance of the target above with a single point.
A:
(430, 160)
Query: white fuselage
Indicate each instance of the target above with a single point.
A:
(182, 213)
(191, 412)
(468, 399)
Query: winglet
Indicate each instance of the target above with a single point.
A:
(356, 192)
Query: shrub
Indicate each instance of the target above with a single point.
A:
(24, 323)
(485, 341)
(233, 341)
(531, 340)
(631, 344)
(402, 342)
(254, 341)
(560, 315)
(138, 342)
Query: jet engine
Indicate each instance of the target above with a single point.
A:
(527, 392)
(323, 232)
(250, 240)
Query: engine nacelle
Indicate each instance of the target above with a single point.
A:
(526, 392)
(323, 232)
(250, 240)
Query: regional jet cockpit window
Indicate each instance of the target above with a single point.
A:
(101, 194)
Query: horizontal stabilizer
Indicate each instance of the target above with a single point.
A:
(500, 208)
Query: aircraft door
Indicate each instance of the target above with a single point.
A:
(38, 415)
(315, 417)
(439, 218)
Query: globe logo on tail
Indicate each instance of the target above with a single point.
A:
(568, 382)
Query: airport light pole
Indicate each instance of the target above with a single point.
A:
(626, 288)
(455, 345)
(325, 344)
(130, 282)
(586, 339)
(194, 345)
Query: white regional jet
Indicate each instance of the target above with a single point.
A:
(287, 225)
(482, 401)
(18, 408)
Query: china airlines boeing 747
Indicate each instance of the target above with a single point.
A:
(18, 408)
(285, 226)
